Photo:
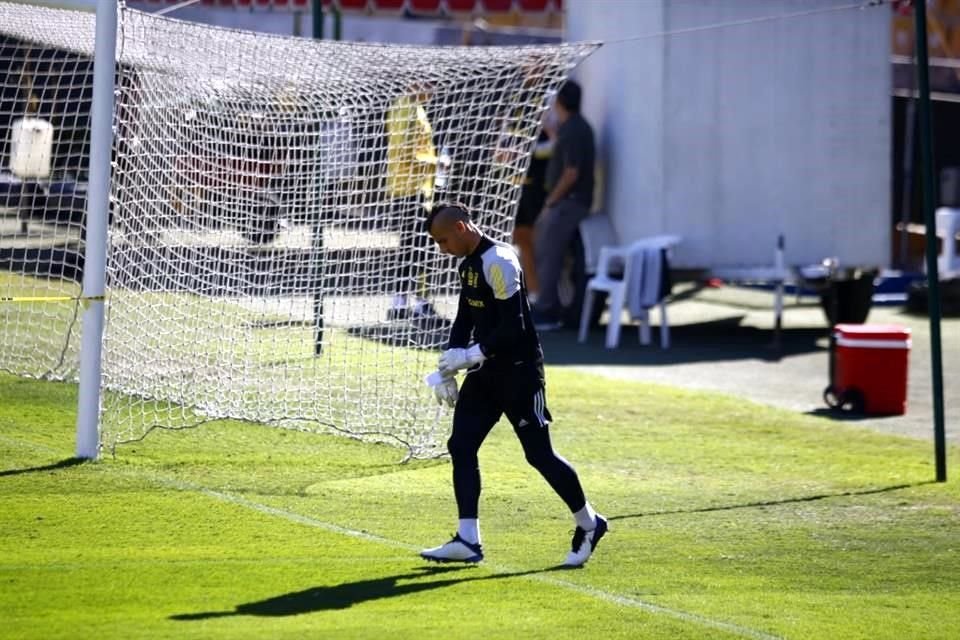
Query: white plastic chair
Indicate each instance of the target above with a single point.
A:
(616, 289)
(948, 226)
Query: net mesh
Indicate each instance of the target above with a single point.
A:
(265, 256)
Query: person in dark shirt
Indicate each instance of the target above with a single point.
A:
(569, 198)
(493, 338)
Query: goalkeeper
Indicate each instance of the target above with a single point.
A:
(493, 338)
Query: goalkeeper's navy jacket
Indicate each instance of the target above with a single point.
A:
(493, 310)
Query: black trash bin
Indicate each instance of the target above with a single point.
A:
(847, 296)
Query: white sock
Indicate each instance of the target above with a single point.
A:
(399, 301)
(586, 518)
(469, 530)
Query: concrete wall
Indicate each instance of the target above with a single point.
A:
(731, 136)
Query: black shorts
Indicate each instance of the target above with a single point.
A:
(530, 206)
(517, 391)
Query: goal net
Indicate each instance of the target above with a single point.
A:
(265, 260)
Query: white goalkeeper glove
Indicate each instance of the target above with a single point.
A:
(447, 393)
(452, 360)
(444, 388)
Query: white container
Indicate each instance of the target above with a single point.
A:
(31, 148)
(948, 226)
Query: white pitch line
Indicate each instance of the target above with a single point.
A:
(292, 516)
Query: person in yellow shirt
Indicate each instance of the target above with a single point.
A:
(411, 156)
(410, 174)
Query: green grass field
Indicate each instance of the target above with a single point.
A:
(727, 520)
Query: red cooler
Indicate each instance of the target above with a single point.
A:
(868, 368)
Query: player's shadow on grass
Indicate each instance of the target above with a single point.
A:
(773, 503)
(347, 594)
(416, 333)
(63, 464)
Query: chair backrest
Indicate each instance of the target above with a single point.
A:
(614, 263)
(596, 231)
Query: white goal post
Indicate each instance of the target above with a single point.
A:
(246, 217)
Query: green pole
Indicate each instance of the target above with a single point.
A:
(933, 277)
(337, 25)
(316, 12)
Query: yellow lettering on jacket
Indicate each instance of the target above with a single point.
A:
(471, 278)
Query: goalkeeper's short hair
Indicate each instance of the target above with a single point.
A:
(459, 211)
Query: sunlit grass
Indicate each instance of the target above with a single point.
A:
(727, 519)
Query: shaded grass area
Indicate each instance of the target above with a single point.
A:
(727, 520)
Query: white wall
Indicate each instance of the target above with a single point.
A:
(732, 136)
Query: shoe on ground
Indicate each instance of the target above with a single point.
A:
(457, 550)
(426, 318)
(398, 313)
(545, 321)
(585, 543)
(420, 310)
(423, 310)
(399, 308)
